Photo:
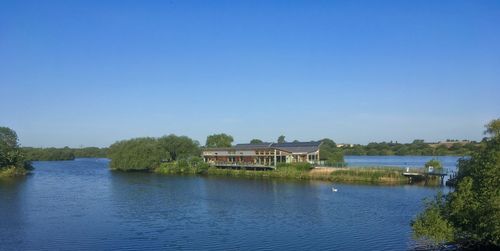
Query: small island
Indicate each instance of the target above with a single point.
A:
(314, 160)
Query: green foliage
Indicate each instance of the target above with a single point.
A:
(283, 173)
(179, 147)
(329, 152)
(146, 154)
(417, 147)
(191, 165)
(51, 153)
(436, 164)
(358, 175)
(299, 166)
(219, 140)
(493, 128)
(431, 225)
(12, 171)
(373, 175)
(12, 159)
(281, 139)
(90, 152)
(473, 209)
(136, 154)
(256, 141)
(66, 153)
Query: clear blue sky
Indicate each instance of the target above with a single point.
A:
(92, 72)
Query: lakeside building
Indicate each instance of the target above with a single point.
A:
(265, 154)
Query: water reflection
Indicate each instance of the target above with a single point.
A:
(12, 221)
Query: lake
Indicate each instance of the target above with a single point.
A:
(81, 205)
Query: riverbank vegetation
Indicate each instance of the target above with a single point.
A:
(330, 153)
(146, 154)
(65, 153)
(470, 215)
(301, 171)
(12, 159)
(180, 155)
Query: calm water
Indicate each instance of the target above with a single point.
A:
(81, 205)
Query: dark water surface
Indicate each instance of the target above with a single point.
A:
(81, 205)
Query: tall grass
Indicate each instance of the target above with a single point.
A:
(385, 175)
(367, 175)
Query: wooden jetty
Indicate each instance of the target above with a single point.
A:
(424, 176)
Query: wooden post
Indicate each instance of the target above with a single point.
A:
(275, 164)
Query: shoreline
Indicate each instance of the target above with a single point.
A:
(13, 172)
(358, 175)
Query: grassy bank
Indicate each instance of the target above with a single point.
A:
(342, 175)
(12, 172)
(366, 175)
(379, 175)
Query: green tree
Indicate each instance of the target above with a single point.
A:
(281, 139)
(219, 140)
(8, 146)
(50, 153)
(473, 209)
(436, 164)
(139, 154)
(179, 147)
(11, 156)
(431, 225)
(493, 128)
(256, 141)
(329, 152)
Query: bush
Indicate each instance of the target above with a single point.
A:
(140, 154)
(192, 165)
(472, 211)
(12, 159)
(299, 166)
(146, 154)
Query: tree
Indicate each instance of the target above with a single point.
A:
(219, 140)
(328, 151)
(179, 147)
(146, 154)
(281, 139)
(139, 154)
(493, 128)
(256, 141)
(11, 156)
(436, 164)
(8, 138)
(473, 209)
(431, 225)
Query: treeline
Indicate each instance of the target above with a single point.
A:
(66, 153)
(12, 159)
(417, 147)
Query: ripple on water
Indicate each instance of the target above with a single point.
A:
(80, 205)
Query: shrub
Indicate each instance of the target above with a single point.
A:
(299, 166)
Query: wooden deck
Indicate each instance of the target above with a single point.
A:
(424, 176)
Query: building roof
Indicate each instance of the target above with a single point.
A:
(298, 147)
(252, 146)
(292, 147)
